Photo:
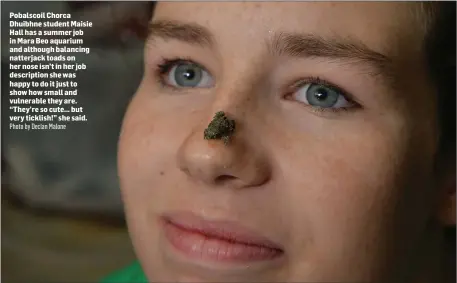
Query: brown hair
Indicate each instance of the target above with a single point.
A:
(440, 52)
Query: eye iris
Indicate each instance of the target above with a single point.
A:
(321, 96)
(188, 75)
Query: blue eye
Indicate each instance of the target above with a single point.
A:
(321, 96)
(188, 75)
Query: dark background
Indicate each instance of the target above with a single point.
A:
(61, 208)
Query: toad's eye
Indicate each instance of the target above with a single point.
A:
(321, 96)
(188, 75)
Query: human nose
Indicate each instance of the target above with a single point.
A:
(239, 163)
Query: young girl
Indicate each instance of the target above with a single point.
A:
(331, 156)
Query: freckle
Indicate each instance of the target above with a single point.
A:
(161, 173)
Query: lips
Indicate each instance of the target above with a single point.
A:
(221, 241)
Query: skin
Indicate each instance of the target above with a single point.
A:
(352, 195)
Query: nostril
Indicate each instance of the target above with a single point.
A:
(224, 179)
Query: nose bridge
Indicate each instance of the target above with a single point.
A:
(243, 75)
(241, 161)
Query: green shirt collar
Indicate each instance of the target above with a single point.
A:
(131, 274)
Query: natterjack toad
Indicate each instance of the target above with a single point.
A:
(221, 127)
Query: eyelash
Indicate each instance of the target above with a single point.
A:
(166, 64)
(318, 80)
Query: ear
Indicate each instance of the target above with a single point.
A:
(446, 209)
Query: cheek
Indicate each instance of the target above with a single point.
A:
(141, 154)
(146, 171)
(346, 190)
(135, 141)
(349, 183)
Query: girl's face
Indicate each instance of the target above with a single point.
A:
(331, 159)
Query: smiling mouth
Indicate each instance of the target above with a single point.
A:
(217, 241)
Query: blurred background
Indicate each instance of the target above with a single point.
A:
(61, 207)
(61, 210)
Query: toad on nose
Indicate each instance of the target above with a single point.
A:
(221, 127)
(236, 162)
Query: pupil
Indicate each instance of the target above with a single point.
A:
(321, 94)
(189, 74)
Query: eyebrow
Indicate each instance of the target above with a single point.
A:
(310, 45)
(186, 32)
(288, 44)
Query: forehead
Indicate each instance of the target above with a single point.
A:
(386, 27)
